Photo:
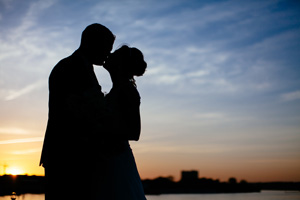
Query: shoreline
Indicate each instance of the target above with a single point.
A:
(23, 184)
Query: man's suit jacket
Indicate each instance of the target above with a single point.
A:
(66, 138)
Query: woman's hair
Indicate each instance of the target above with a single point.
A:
(132, 59)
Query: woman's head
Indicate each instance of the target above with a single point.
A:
(129, 60)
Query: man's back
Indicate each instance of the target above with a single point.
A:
(69, 79)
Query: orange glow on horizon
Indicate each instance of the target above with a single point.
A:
(14, 171)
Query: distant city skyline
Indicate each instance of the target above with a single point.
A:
(221, 93)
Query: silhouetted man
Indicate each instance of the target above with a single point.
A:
(67, 154)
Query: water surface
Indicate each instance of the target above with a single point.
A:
(264, 195)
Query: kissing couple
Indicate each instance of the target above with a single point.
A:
(86, 153)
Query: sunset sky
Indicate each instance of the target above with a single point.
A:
(221, 93)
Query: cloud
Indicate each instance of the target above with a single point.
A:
(24, 140)
(7, 4)
(14, 94)
(27, 151)
(200, 149)
(169, 79)
(17, 131)
(210, 116)
(291, 96)
(199, 73)
(30, 19)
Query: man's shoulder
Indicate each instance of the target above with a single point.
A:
(67, 64)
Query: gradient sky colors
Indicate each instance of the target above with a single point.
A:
(221, 93)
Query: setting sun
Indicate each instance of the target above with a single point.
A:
(14, 171)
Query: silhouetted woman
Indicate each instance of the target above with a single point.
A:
(121, 179)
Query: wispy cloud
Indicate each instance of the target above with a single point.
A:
(27, 151)
(210, 116)
(182, 149)
(18, 93)
(23, 140)
(291, 96)
(17, 131)
(30, 19)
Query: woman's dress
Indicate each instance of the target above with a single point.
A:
(120, 179)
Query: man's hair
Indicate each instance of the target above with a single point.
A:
(95, 34)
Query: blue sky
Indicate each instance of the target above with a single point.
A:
(221, 93)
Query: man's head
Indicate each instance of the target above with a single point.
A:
(96, 43)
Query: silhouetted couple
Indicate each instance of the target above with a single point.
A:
(86, 154)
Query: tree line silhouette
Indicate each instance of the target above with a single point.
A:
(162, 185)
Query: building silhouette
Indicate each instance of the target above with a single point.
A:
(188, 176)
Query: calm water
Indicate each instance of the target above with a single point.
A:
(264, 195)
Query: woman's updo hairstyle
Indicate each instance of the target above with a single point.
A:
(131, 60)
